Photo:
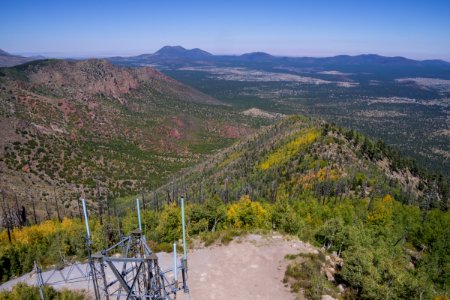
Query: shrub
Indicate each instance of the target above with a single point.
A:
(169, 227)
(26, 292)
(206, 217)
(247, 214)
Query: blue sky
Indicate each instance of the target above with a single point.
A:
(417, 29)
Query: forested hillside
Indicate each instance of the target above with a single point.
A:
(387, 217)
(300, 155)
(70, 127)
(384, 216)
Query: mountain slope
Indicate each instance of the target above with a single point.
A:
(402, 101)
(257, 56)
(66, 123)
(300, 156)
(9, 60)
(168, 56)
(92, 77)
(353, 197)
(328, 186)
(180, 52)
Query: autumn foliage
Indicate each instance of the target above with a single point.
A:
(247, 214)
(283, 154)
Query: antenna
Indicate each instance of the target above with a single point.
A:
(88, 246)
(40, 281)
(88, 232)
(184, 228)
(139, 214)
(175, 270)
(184, 259)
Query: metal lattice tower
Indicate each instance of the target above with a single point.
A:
(134, 269)
(136, 272)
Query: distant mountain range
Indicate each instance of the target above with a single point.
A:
(177, 56)
(9, 60)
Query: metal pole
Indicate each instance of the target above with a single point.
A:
(139, 214)
(184, 228)
(183, 275)
(39, 280)
(88, 246)
(105, 283)
(86, 219)
(175, 270)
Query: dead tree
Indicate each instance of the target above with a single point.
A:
(17, 212)
(23, 216)
(430, 195)
(49, 216)
(173, 189)
(79, 209)
(6, 221)
(99, 201)
(108, 210)
(273, 190)
(10, 215)
(168, 196)
(119, 222)
(143, 200)
(34, 209)
(226, 190)
(155, 197)
(57, 206)
(201, 192)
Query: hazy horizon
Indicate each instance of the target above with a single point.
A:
(417, 30)
(106, 54)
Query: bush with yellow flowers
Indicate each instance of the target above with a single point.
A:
(247, 214)
(382, 211)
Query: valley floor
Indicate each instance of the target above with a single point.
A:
(250, 267)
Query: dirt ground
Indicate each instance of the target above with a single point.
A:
(250, 267)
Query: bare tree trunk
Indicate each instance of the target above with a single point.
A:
(5, 217)
(143, 200)
(427, 208)
(226, 190)
(201, 192)
(10, 216)
(23, 216)
(369, 206)
(117, 218)
(173, 190)
(17, 212)
(49, 216)
(108, 210)
(99, 201)
(34, 209)
(57, 206)
(168, 197)
(155, 196)
(79, 209)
